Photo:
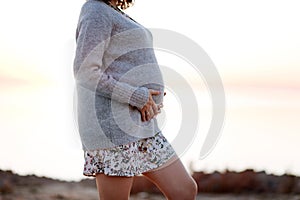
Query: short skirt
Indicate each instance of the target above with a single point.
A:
(131, 159)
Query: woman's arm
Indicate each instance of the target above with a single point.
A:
(93, 36)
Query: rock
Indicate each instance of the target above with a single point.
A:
(6, 187)
(296, 187)
(246, 182)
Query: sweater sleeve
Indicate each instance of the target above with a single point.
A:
(92, 37)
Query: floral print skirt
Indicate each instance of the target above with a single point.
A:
(130, 159)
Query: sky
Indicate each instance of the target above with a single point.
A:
(255, 46)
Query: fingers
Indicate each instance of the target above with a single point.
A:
(149, 114)
(159, 106)
(151, 109)
(143, 114)
(154, 92)
(154, 109)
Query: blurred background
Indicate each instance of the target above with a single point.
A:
(255, 46)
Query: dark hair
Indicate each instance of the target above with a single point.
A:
(123, 4)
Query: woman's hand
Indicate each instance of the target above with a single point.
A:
(150, 109)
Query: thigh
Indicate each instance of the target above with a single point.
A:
(173, 180)
(113, 187)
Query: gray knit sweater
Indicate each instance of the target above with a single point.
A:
(114, 67)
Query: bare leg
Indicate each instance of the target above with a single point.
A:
(174, 181)
(113, 187)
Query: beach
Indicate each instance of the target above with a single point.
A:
(31, 187)
(68, 191)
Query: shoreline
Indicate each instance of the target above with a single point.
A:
(14, 186)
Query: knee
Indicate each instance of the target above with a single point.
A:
(191, 190)
(187, 191)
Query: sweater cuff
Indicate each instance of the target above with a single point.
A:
(139, 97)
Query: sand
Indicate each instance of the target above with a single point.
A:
(31, 187)
(70, 191)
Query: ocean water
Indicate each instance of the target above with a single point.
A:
(261, 131)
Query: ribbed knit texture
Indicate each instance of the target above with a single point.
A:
(114, 67)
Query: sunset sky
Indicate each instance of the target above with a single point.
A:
(255, 46)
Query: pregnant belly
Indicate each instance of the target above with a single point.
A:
(149, 76)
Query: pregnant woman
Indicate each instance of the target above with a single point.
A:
(120, 91)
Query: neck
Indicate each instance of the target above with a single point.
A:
(113, 3)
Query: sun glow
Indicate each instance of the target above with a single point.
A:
(255, 46)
